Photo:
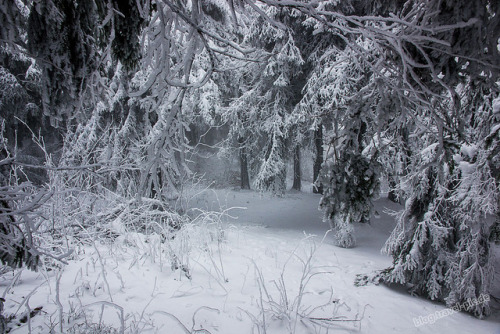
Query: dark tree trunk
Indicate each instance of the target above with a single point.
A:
(297, 182)
(495, 230)
(393, 179)
(361, 135)
(318, 161)
(192, 135)
(392, 195)
(245, 180)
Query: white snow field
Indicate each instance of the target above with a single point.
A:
(267, 269)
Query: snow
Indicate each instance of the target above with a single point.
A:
(469, 150)
(232, 261)
(496, 105)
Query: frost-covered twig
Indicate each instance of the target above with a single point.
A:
(181, 325)
(103, 271)
(13, 282)
(118, 307)
(289, 305)
(60, 308)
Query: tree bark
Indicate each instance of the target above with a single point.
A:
(297, 179)
(392, 195)
(318, 160)
(495, 230)
(245, 180)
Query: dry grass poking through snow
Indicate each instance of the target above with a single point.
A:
(207, 277)
(218, 275)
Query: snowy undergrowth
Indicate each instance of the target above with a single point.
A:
(293, 303)
(256, 274)
(207, 276)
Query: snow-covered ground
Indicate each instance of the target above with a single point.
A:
(269, 268)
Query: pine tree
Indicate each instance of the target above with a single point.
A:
(351, 171)
(440, 245)
(265, 101)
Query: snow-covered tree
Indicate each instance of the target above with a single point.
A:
(411, 84)
(418, 61)
(350, 175)
(440, 245)
(269, 91)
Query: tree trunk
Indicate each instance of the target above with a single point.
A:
(495, 231)
(245, 180)
(393, 180)
(361, 135)
(318, 161)
(297, 182)
(392, 195)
